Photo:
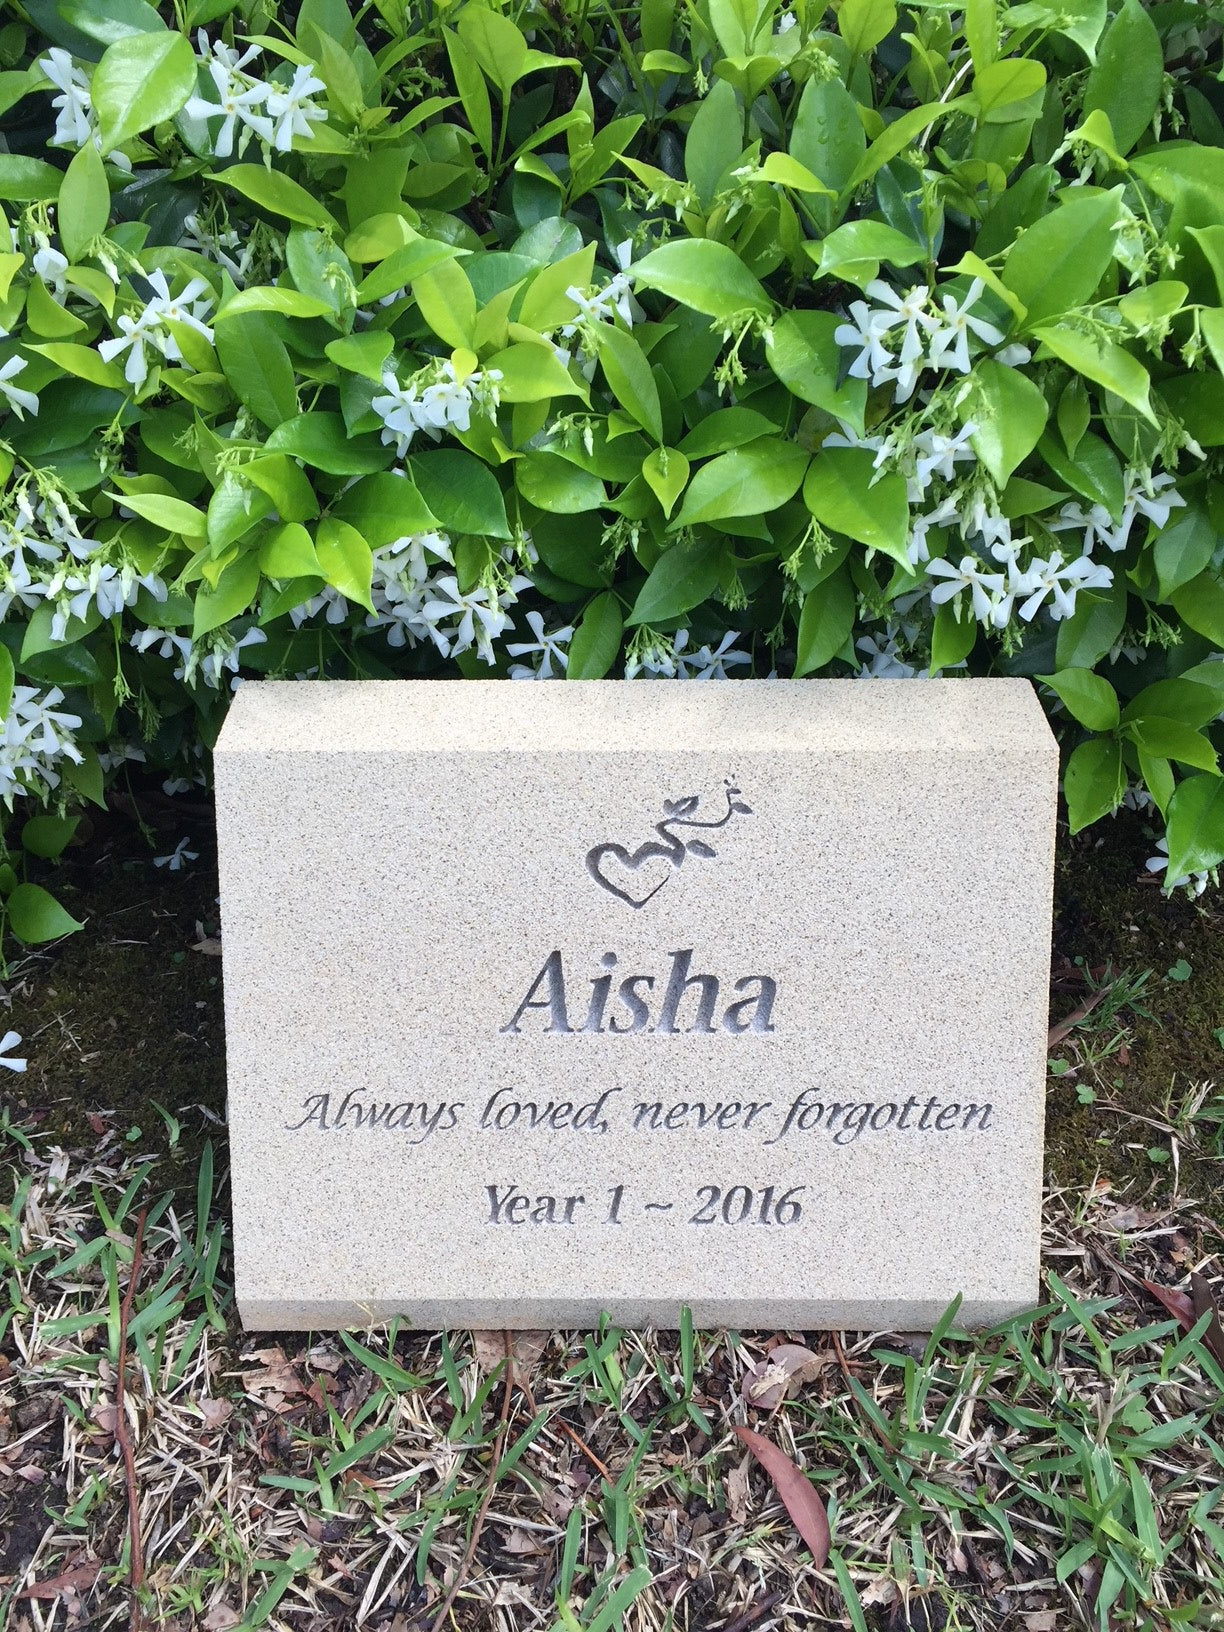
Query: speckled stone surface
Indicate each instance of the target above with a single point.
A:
(543, 1000)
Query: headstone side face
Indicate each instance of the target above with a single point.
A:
(546, 1001)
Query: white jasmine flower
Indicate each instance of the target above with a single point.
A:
(21, 402)
(457, 621)
(950, 338)
(1062, 581)
(328, 597)
(150, 326)
(864, 331)
(178, 857)
(938, 454)
(73, 127)
(238, 98)
(984, 587)
(51, 266)
(8, 1060)
(883, 659)
(548, 649)
(34, 736)
(917, 549)
(712, 664)
(292, 110)
(1154, 497)
(1094, 525)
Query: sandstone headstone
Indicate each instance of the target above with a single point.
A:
(543, 1000)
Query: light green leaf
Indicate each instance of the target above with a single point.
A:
(1103, 361)
(1128, 78)
(276, 192)
(982, 32)
(853, 252)
(596, 643)
(1095, 781)
(804, 355)
(666, 471)
(400, 267)
(83, 362)
(84, 202)
(288, 302)
(533, 373)
(1009, 413)
(998, 88)
(1200, 604)
(1088, 697)
(1163, 738)
(142, 80)
(257, 367)
(287, 552)
(864, 23)
(1056, 264)
(172, 515)
(827, 136)
(473, 92)
(747, 481)
(1090, 632)
(48, 836)
(26, 181)
(841, 494)
(35, 916)
(714, 141)
(627, 370)
(704, 275)
(365, 354)
(346, 559)
(235, 590)
(825, 623)
(323, 441)
(554, 484)
(684, 575)
(902, 133)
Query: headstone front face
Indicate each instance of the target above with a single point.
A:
(544, 1000)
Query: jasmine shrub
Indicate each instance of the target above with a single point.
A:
(683, 342)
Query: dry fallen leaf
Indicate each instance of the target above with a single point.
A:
(737, 1492)
(780, 1375)
(490, 1349)
(210, 946)
(73, 1580)
(221, 1618)
(799, 1497)
(1177, 1303)
(1126, 1220)
(1041, 1620)
(216, 1413)
(1203, 1299)
(274, 1376)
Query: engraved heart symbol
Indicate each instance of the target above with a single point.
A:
(607, 863)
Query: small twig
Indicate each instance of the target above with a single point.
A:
(1063, 1029)
(123, 1438)
(560, 1422)
(498, 1446)
(753, 1613)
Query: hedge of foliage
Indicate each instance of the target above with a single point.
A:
(667, 340)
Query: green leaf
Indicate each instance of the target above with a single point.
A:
(828, 135)
(684, 575)
(276, 192)
(804, 355)
(953, 636)
(1128, 78)
(1090, 632)
(555, 484)
(982, 33)
(842, 495)
(1094, 472)
(1200, 604)
(596, 643)
(473, 92)
(365, 354)
(83, 362)
(1164, 738)
(49, 836)
(28, 181)
(902, 133)
(346, 559)
(853, 252)
(715, 140)
(1193, 698)
(235, 590)
(825, 623)
(1009, 413)
(1056, 264)
(323, 441)
(747, 481)
(1088, 697)
(142, 80)
(1195, 827)
(84, 202)
(1103, 361)
(257, 367)
(35, 915)
(401, 267)
(1095, 781)
(461, 492)
(1183, 550)
(704, 275)
(627, 371)
(172, 515)
(864, 23)
(8, 675)
(385, 507)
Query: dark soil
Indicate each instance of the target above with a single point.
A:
(128, 1012)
